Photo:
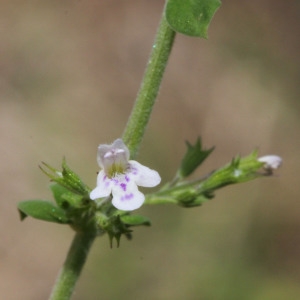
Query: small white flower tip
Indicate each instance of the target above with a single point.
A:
(272, 162)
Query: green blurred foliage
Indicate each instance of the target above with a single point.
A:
(69, 74)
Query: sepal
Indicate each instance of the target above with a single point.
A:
(189, 198)
(119, 224)
(67, 178)
(135, 220)
(66, 199)
(114, 227)
(241, 169)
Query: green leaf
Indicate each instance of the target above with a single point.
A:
(135, 220)
(42, 210)
(191, 17)
(193, 158)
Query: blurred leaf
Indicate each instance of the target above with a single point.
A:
(135, 220)
(191, 17)
(42, 210)
(193, 158)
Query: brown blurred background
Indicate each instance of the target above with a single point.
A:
(69, 73)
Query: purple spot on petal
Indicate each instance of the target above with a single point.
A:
(134, 171)
(127, 178)
(130, 196)
(127, 197)
(123, 186)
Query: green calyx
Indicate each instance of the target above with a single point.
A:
(194, 193)
(74, 207)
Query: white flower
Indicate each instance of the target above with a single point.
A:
(121, 176)
(271, 161)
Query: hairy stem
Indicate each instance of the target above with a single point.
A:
(132, 137)
(147, 95)
(72, 267)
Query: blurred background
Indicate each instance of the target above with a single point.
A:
(69, 74)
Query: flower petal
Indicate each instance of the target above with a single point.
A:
(271, 161)
(104, 186)
(143, 176)
(115, 152)
(126, 196)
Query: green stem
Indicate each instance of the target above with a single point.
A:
(72, 267)
(147, 95)
(132, 137)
